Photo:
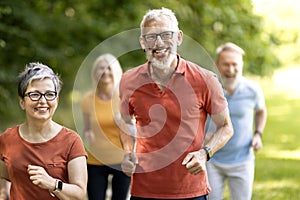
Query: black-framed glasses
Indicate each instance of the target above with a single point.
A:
(164, 36)
(36, 96)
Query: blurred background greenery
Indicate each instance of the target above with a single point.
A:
(61, 33)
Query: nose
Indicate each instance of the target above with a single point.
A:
(158, 40)
(43, 99)
(107, 70)
(231, 69)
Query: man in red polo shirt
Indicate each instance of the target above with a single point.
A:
(164, 105)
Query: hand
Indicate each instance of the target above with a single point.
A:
(257, 142)
(195, 162)
(89, 136)
(40, 177)
(129, 163)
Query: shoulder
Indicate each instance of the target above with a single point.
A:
(10, 131)
(195, 68)
(88, 95)
(250, 85)
(87, 100)
(69, 133)
(10, 135)
(133, 78)
(200, 75)
(136, 71)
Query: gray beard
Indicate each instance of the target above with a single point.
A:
(161, 64)
(232, 85)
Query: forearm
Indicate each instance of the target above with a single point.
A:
(223, 133)
(260, 120)
(76, 187)
(128, 134)
(218, 139)
(71, 191)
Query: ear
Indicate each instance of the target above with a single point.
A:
(142, 43)
(179, 37)
(22, 103)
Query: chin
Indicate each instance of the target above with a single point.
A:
(231, 84)
(163, 64)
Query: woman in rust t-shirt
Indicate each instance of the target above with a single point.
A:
(41, 158)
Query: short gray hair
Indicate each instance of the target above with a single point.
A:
(229, 46)
(36, 71)
(155, 14)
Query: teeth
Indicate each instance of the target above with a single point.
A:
(41, 109)
(161, 51)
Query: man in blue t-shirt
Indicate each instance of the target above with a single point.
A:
(235, 161)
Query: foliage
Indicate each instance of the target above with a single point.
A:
(60, 33)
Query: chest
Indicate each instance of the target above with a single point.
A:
(241, 104)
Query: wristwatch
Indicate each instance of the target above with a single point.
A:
(58, 187)
(209, 153)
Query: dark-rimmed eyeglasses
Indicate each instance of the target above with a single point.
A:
(36, 96)
(167, 35)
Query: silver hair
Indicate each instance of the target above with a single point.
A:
(155, 14)
(37, 71)
(229, 46)
(114, 64)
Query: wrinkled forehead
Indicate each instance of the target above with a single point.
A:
(157, 25)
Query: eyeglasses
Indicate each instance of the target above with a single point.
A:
(36, 96)
(153, 36)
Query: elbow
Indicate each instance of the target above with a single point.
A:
(230, 131)
(81, 196)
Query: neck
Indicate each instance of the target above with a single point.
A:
(39, 132)
(41, 127)
(229, 90)
(105, 91)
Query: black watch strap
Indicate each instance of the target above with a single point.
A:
(58, 187)
(208, 153)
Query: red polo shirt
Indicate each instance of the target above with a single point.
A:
(170, 124)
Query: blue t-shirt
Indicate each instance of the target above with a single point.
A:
(247, 98)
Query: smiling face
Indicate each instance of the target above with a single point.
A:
(162, 51)
(230, 65)
(103, 74)
(41, 110)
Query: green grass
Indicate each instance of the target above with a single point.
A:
(278, 164)
(277, 171)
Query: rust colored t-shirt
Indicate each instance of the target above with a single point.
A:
(52, 155)
(170, 124)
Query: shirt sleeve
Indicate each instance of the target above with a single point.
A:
(260, 99)
(217, 101)
(77, 147)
